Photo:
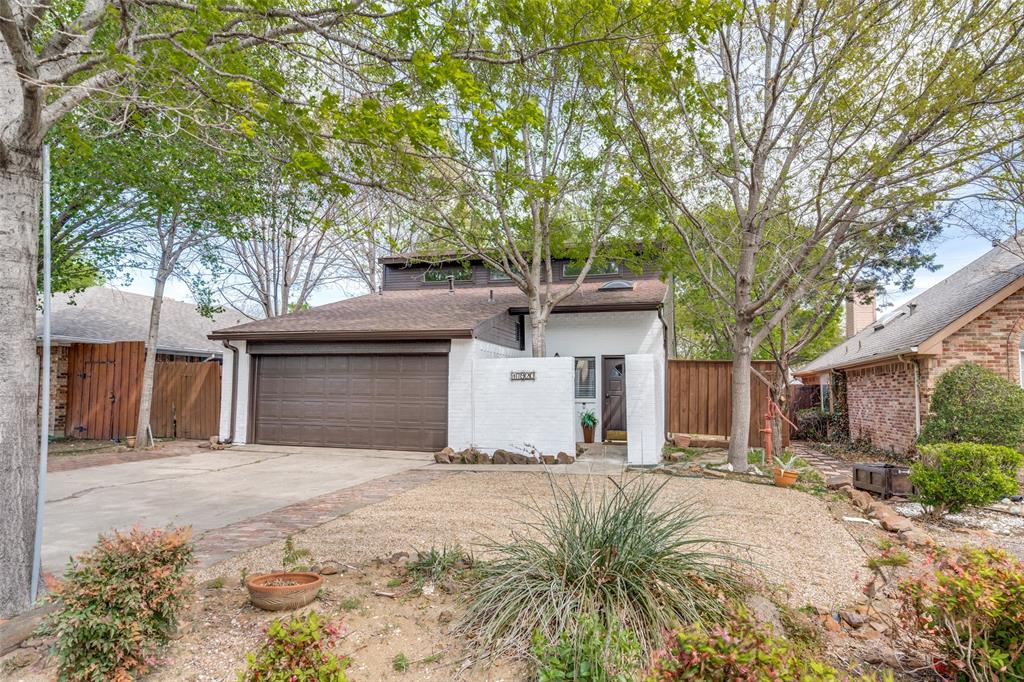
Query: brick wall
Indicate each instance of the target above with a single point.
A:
(880, 400)
(58, 388)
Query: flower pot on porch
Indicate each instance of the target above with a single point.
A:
(588, 434)
(784, 478)
(130, 440)
(283, 591)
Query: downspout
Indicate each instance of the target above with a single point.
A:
(234, 389)
(917, 392)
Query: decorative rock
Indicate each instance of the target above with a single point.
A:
(916, 538)
(565, 458)
(766, 613)
(481, 457)
(549, 459)
(502, 456)
(1017, 510)
(895, 523)
(861, 499)
(520, 458)
(463, 457)
(23, 658)
(852, 618)
(837, 482)
(444, 456)
(330, 568)
(830, 623)
(399, 556)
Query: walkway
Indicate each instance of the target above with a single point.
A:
(829, 467)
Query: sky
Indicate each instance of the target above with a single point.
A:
(954, 249)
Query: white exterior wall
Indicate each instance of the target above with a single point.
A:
(644, 420)
(524, 416)
(242, 404)
(613, 333)
(460, 393)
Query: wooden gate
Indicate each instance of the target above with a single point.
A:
(698, 400)
(104, 381)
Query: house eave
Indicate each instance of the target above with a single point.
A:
(862, 362)
(592, 308)
(336, 335)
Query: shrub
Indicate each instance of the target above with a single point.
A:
(740, 651)
(972, 404)
(971, 608)
(953, 476)
(297, 650)
(439, 563)
(611, 557)
(592, 655)
(120, 602)
(812, 424)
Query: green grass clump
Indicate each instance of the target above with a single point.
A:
(400, 663)
(617, 559)
(439, 563)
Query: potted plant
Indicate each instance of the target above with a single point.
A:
(787, 470)
(291, 588)
(588, 420)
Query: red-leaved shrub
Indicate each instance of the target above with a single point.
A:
(120, 602)
(971, 608)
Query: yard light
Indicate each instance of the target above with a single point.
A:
(44, 426)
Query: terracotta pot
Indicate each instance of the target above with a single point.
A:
(283, 597)
(681, 440)
(588, 434)
(130, 440)
(784, 478)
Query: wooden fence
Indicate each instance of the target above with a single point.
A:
(104, 381)
(698, 399)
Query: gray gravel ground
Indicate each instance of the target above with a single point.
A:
(792, 537)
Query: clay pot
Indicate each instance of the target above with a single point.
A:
(784, 478)
(264, 593)
(130, 441)
(681, 440)
(588, 434)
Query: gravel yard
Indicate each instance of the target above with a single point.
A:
(795, 539)
(791, 536)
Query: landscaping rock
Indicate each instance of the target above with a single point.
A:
(894, 523)
(520, 458)
(830, 623)
(549, 459)
(502, 456)
(463, 457)
(330, 568)
(23, 658)
(444, 456)
(565, 458)
(861, 500)
(916, 538)
(766, 613)
(837, 482)
(852, 618)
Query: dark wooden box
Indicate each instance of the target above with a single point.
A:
(885, 479)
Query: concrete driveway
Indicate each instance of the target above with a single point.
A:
(208, 490)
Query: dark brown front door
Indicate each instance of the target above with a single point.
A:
(613, 372)
(389, 402)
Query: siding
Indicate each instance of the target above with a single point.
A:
(500, 329)
(404, 277)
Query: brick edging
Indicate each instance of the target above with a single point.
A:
(219, 544)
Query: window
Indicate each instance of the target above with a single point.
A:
(586, 378)
(573, 269)
(442, 274)
(495, 275)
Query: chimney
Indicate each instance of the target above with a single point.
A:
(860, 313)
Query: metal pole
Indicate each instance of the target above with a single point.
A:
(44, 426)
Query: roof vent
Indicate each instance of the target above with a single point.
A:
(617, 285)
(879, 327)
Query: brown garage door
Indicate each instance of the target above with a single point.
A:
(395, 402)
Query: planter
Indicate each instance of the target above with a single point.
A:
(681, 440)
(784, 478)
(130, 440)
(885, 479)
(283, 591)
(588, 434)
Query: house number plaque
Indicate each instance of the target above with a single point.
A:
(524, 376)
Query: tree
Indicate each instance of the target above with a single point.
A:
(837, 119)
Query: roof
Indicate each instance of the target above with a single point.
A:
(105, 315)
(907, 328)
(432, 313)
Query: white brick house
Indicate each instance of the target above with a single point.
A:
(440, 357)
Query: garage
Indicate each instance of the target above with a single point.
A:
(386, 402)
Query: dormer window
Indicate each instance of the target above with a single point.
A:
(617, 285)
(495, 275)
(574, 269)
(442, 274)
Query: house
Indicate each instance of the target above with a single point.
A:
(891, 366)
(440, 356)
(96, 354)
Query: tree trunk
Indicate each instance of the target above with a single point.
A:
(539, 341)
(149, 369)
(779, 392)
(742, 354)
(20, 185)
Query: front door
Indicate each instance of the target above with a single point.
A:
(613, 371)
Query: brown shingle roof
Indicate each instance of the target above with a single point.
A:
(432, 313)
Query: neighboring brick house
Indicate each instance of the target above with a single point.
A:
(892, 365)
